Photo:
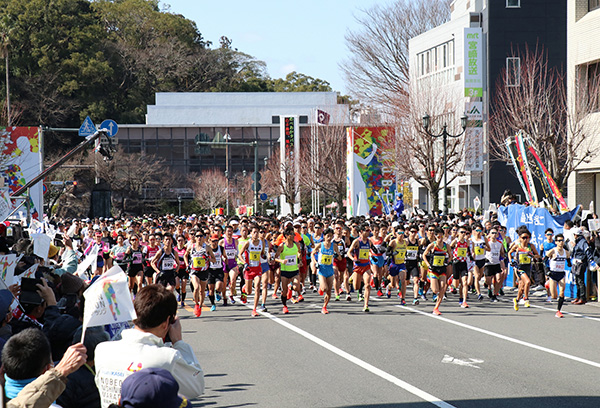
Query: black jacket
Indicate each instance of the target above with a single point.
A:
(81, 391)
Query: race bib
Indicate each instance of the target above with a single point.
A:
(198, 262)
(168, 264)
(254, 256)
(524, 259)
(291, 260)
(136, 258)
(217, 264)
(326, 259)
(438, 260)
(119, 256)
(557, 266)
(411, 252)
(363, 254)
(479, 250)
(461, 252)
(399, 257)
(230, 253)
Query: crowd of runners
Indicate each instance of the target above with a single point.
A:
(274, 262)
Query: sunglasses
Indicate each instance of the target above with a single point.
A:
(400, 232)
(413, 231)
(525, 236)
(430, 230)
(199, 236)
(478, 230)
(549, 234)
(558, 240)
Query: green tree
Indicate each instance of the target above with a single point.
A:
(297, 82)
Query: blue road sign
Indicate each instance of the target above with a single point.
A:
(263, 197)
(87, 127)
(111, 127)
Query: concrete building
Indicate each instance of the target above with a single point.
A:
(507, 26)
(583, 63)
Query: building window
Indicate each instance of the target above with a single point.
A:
(513, 71)
(593, 84)
(513, 3)
(593, 4)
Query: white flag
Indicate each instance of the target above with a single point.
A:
(7, 268)
(108, 300)
(87, 262)
(41, 245)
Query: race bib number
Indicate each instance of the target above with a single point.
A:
(230, 253)
(217, 264)
(137, 258)
(198, 262)
(479, 250)
(524, 259)
(462, 252)
(363, 254)
(119, 256)
(438, 260)
(411, 252)
(168, 264)
(254, 256)
(291, 260)
(557, 266)
(399, 257)
(326, 259)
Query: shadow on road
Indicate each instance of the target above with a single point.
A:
(524, 402)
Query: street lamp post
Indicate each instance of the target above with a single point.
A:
(444, 135)
(179, 200)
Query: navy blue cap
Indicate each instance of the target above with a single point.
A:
(151, 388)
(6, 299)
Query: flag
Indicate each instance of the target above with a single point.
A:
(41, 245)
(322, 117)
(87, 262)
(108, 300)
(7, 268)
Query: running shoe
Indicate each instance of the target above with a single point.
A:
(366, 310)
(232, 300)
(360, 297)
(213, 308)
(289, 294)
(254, 313)
(314, 289)
(403, 302)
(218, 297)
(303, 291)
(244, 298)
(501, 292)
(178, 297)
(337, 298)
(515, 304)
(286, 310)
(182, 304)
(559, 314)
(526, 304)
(453, 290)
(479, 297)
(489, 293)
(464, 305)
(549, 299)
(300, 298)
(415, 302)
(274, 295)
(262, 308)
(436, 312)
(424, 298)
(460, 301)
(324, 310)
(494, 299)
(197, 310)
(320, 292)
(348, 297)
(388, 293)
(379, 293)
(434, 298)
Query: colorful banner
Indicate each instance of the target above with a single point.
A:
(22, 161)
(289, 136)
(473, 152)
(511, 151)
(523, 153)
(473, 74)
(551, 183)
(371, 176)
(523, 171)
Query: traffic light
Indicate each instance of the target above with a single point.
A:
(71, 183)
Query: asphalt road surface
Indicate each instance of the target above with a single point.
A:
(486, 356)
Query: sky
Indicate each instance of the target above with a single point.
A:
(289, 35)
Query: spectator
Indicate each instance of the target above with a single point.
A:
(31, 379)
(143, 347)
(81, 391)
(582, 256)
(150, 387)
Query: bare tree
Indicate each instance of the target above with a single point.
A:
(378, 70)
(420, 156)
(537, 103)
(210, 189)
(279, 179)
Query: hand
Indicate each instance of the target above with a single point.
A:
(15, 290)
(46, 293)
(72, 360)
(175, 330)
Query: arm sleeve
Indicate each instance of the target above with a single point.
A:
(41, 393)
(187, 371)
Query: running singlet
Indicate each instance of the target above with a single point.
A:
(478, 249)
(230, 252)
(362, 253)
(493, 255)
(291, 254)
(218, 263)
(199, 257)
(254, 252)
(326, 255)
(377, 249)
(150, 252)
(241, 242)
(412, 251)
(460, 251)
(523, 256)
(557, 264)
(181, 253)
(167, 262)
(437, 259)
(341, 246)
(399, 253)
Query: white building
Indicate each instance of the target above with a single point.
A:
(583, 60)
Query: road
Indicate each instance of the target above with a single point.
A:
(486, 356)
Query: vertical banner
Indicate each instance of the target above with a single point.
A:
(289, 132)
(371, 174)
(474, 137)
(21, 161)
(473, 62)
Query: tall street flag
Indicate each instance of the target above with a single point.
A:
(108, 300)
(323, 117)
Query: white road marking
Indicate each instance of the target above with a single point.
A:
(507, 338)
(468, 363)
(567, 313)
(363, 364)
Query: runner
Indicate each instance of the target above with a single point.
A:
(288, 256)
(520, 255)
(182, 273)
(166, 264)
(134, 256)
(359, 253)
(229, 245)
(251, 253)
(215, 271)
(323, 256)
(558, 257)
(340, 265)
(377, 261)
(397, 255)
(479, 246)
(412, 261)
(493, 270)
(461, 251)
(265, 267)
(199, 255)
(436, 257)
(117, 252)
(149, 253)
